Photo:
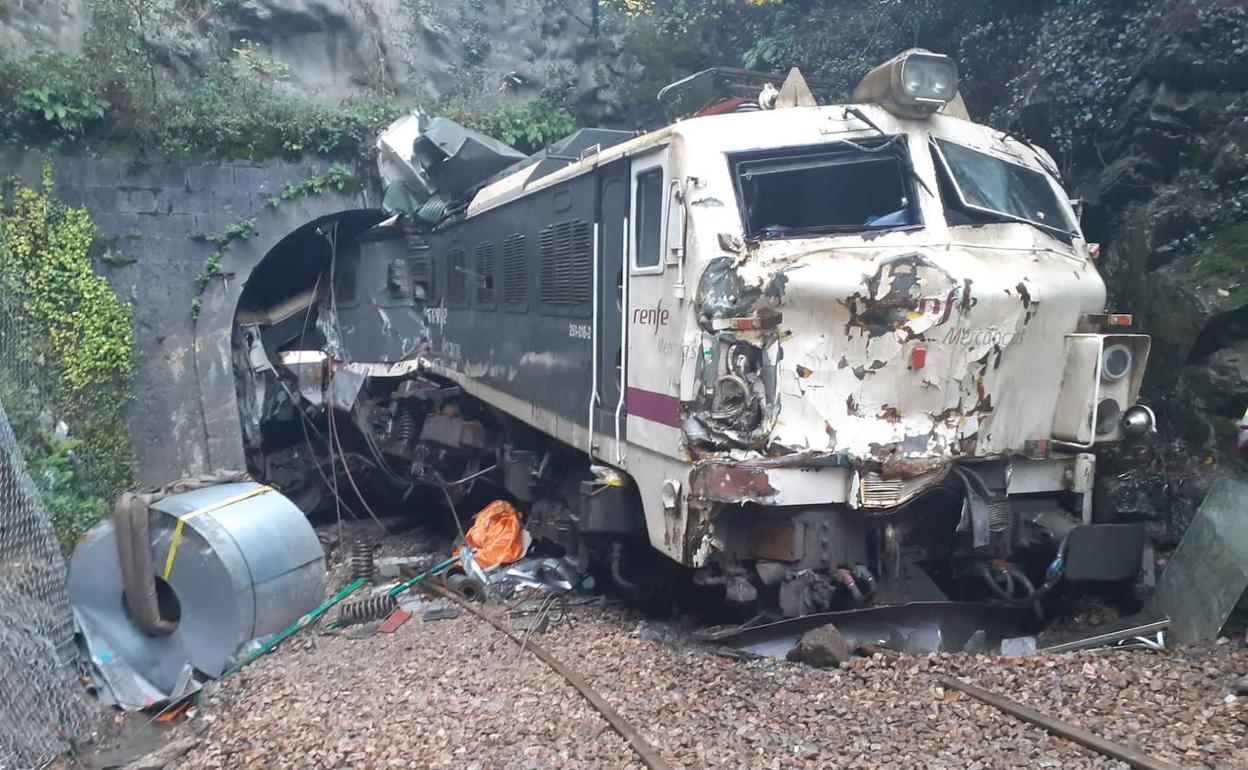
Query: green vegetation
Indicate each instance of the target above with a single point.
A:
(117, 89)
(69, 354)
(528, 128)
(1223, 264)
(237, 231)
(338, 178)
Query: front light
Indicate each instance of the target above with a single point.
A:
(1108, 411)
(1116, 363)
(913, 84)
(928, 77)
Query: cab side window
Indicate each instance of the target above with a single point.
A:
(648, 219)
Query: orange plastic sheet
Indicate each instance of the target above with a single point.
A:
(496, 536)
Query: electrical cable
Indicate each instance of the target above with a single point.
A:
(305, 422)
(469, 477)
(335, 438)
(454, 515)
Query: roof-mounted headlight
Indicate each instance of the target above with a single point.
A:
(913, 84)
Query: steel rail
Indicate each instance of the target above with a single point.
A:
(648, 753)
(1086, 738)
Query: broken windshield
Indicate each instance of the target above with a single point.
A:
(847, 188)
(987, 184)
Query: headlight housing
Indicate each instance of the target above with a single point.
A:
(1116, 362)
(914, 84)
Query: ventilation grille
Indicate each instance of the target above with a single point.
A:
(483, 266)
(457, 277)
(566, 263)
(515, 270)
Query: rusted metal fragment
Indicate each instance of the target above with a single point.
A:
(731, 484)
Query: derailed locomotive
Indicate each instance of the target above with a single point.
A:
(818, 355)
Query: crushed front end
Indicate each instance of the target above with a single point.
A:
(903, 373)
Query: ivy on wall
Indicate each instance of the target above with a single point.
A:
(68, 357)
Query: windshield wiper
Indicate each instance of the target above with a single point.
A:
(906, 163)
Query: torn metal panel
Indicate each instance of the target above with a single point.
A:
(1208, 572)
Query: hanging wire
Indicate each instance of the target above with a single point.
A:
(332, 237)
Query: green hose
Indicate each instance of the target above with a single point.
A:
(295, 627)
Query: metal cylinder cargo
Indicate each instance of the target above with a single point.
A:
(230, 563)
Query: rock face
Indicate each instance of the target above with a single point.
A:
(467, 52)
(1170, 200)
(448, 53)
(42, 25)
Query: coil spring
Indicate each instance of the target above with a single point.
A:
(364, 610)
(405, 426)
(361, 560)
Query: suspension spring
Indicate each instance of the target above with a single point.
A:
(364, 610)
(361, 562)
(405, 426)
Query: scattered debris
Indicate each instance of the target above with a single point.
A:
(532, 624)
(361, 560)
(496, 536)
(380, 605)
(373, 607)
(1018, 646)
(1130, 632)
(392, 567)
(441, 613)
(822, 647)
(554, 576)
(163, 757)
(396, 619)
(919, 627)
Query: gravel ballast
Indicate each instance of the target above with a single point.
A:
(457, 694)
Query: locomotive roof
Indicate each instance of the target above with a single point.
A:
(760, 129)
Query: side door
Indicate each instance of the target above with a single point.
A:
(611, 356)
(654, 318)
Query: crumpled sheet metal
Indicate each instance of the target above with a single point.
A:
(914, 628)
(242, 571)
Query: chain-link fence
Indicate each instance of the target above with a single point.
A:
(43, 707)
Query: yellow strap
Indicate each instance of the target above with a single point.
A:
(177, 531)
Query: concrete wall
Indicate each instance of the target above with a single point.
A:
(154, 216)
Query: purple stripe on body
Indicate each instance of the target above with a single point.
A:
(655, 407)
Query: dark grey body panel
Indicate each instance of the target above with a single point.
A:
(504, 298)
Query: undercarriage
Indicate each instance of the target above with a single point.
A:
(328, 437)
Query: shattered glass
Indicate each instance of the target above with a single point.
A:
(985, 183)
